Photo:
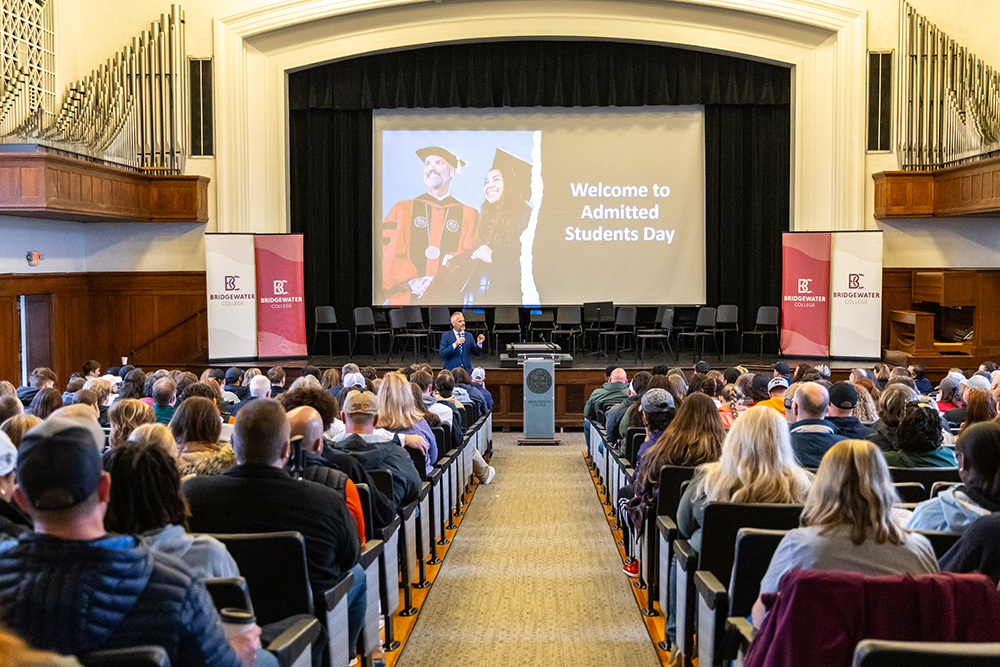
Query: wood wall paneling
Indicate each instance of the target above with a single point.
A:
(63, 188)
(104, 316)
(965, 190)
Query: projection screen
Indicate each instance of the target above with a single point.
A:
(561, 206)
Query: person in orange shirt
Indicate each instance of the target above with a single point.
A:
(776, 388)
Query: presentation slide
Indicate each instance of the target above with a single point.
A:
(564, 206)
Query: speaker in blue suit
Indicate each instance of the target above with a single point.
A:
(457, 347)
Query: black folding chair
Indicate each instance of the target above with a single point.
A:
(727, 320)
(766, 325)
(662, 334)
(702, 329)
(326, 323)
(569, 323)
(506, 322)
(399, 330)
(540, 324)
(438, 322)
(911, 492)
(624, 326)
(364, 325)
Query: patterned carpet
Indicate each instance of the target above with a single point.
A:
(533, 577)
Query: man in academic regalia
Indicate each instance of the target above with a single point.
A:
(420, 235)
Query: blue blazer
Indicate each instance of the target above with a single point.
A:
(454, 356)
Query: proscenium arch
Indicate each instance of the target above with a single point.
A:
(824, 44)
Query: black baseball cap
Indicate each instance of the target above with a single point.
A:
(781, 366)
(843, 395)
(59, 463)
(233, 373)
(702, 367)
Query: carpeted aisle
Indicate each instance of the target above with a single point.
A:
(533, 577)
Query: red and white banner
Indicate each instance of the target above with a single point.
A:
(856, 297)
(805, 291)
(832, 294)
(231, 284)
(281, 316)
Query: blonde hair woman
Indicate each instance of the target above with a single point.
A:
(865, 410)
(15, 427)
(125, 415)
(398, 413)
(157, 434)
(7, 389)
(757, 465)
(849, 524)
(250, 374)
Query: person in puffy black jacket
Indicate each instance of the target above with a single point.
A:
(72, 588)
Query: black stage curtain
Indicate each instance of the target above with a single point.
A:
(747, 144)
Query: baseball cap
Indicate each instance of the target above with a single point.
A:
(656, 400)
(949, 383)
(8, 455)
(361, 402)
(702, 367)
(977, 382)
(777, 382)
(782, 367)
(478, 374)
(355, 380)
(233, 373)
(759, 381)
(843, 395)
(731, 375)
(59, 463)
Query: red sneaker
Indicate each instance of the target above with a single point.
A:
(632, 569)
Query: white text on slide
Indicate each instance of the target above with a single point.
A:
(626, 234)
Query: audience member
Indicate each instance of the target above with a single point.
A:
(314, 371)
(776, 388)
(164, 395)
(632, 417)
(917, 442)
(258, 495)
(812, 435)
(17, 425)
(330, 379)
(306, 428)
(613, 417)
(731, 405)
(45, 401)
(132, 385)
(10, 406)
(146, 500)
(234, 379)
(979, 407)
(923, 385)
(398, 414)
(849, 525)
(72, 588)
(305, 382)
(7, 390)
(866, 409)
(328, 409)
(780, 368)
(479, 381)
(125, 415)
(259, 387)
(155, 434)
(372, 451)
(978, 550)
(954, 509)
(103, 389)
(476, 395)
(74, 385)
(13, 521)
(890, 411)
(757, 465)
(40, 378)
(840, 412)
(615, 390)
(956, 415)
(276, 375)
(196, 427)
